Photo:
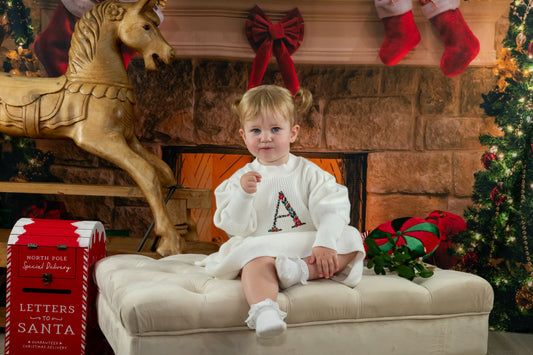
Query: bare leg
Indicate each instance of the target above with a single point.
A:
(259, 280)
(260, 286)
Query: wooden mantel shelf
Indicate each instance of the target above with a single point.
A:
(196, 198)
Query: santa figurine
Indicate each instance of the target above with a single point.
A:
(401, 33)
(52, 45)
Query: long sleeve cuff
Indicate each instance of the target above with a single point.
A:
(329, 231)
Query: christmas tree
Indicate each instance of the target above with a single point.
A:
(499, 232)
(19, 158)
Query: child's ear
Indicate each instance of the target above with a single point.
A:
(241, 132)
(294, 132)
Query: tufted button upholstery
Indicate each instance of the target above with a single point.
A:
(168, 306)
(172, 294)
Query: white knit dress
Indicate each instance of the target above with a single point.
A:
(297, 206)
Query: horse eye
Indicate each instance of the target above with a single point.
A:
(146, 27)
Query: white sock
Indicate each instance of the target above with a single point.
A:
(291, 271)
(267, 319)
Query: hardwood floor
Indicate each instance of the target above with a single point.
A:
(500, 343)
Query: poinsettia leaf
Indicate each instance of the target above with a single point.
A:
(426, 273)
(419, 267)
(398, 223)
(406, 272)
(378, 234)
(400, 257)
(372, 248)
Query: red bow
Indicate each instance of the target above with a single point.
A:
(283, 39)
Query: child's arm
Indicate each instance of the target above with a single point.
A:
(249, 182)
(235, 213)
(327, 261)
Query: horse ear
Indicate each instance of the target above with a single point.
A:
(141, 4)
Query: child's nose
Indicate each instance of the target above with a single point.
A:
(266, 137)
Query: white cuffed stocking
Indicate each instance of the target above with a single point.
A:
(266, 318)
(291, 271)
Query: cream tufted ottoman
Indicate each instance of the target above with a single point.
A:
(170, 306)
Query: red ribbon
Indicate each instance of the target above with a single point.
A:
(282, 39)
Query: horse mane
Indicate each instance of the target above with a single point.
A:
(85, 37)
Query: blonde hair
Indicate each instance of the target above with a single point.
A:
(272, 100)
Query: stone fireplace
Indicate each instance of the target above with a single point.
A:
(416, 129)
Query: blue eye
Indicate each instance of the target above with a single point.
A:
(276, 129)
(256, 131)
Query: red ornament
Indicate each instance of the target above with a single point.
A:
(497, 196)
(487, 159)
(530, 49)
(470, 260)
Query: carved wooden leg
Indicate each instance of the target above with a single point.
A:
(113, 147)
(164, 173)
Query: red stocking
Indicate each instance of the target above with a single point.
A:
(461, 46)
(51, 47)
(401, 35)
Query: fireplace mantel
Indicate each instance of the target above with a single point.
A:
(336, 31)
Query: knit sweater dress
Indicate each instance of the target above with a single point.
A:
(297, 206)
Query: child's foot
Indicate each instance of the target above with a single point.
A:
(291, 271)
(267, 319)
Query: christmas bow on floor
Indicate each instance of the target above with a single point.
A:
(282, 39)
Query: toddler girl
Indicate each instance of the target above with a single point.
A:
(287, 218)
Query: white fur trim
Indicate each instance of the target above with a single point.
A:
(437, 7)
(80, 7)
(388, 8)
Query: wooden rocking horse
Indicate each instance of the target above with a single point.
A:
(92, 104)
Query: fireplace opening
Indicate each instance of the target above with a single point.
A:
(207, 167)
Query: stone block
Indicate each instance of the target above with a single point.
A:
(160, 96)
(67, 153)
(399, 81)
(136, 219)
(409, 172)
(384, 208)
(444, 133)
(465, 164)
(311, 127)
(80, 175)
(339, 81)
(475, 82)
(437, 93)
(458, 205)
(358, 124)
(213, 120)
(215, 75)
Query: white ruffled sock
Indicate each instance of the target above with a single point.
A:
(267, 319)
(291, 271)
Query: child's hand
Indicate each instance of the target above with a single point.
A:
(327, 261)
(249, 181)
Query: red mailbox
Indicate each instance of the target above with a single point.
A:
(50, 293)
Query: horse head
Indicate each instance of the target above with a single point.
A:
(138, 29)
